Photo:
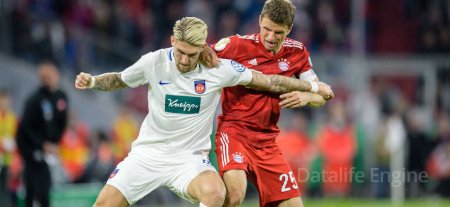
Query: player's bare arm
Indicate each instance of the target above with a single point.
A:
(103, 82)
(109, 82)
(296, 99)
(277, 83)
(283, 84)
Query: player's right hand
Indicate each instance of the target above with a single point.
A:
(294, 99)
(209, 58)
(83, 80)
(325, 91)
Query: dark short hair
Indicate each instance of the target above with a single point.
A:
(279, 11)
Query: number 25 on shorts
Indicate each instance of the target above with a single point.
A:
(285, 178)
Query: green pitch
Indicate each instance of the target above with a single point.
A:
(429, 202)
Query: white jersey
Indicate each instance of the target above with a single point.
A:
(181, 105)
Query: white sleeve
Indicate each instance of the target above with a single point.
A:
(234, 73)
(308, 75)
(138, 73)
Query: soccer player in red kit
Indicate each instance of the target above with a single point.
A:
(247, 127)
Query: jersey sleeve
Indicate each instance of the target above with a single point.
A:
(308, 75)
(138, 73)
(233, 73)
(226, 47)
(306, 72)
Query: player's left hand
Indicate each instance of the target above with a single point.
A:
(209, 58)
(325, 91)
(294, 99)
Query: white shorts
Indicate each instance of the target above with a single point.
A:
(139, 174)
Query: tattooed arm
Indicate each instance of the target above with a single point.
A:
(103, 82)
(283, 84)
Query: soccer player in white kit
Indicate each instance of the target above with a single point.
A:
(173, 143)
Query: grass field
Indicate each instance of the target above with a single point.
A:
(83, 195)
(429, 202)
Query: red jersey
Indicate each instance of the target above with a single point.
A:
(255, 111)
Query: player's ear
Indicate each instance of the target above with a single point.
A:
(260, 19)
(289, 30)
(172, 40)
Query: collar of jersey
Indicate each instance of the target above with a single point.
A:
(171, 54)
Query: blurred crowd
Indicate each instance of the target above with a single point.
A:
(350, 135)
(83, 155)
(80, 34)
(337, 154)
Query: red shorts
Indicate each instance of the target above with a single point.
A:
(265, 167)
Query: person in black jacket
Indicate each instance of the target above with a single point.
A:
(40, 130)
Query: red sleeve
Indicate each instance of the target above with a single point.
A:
(305, 61)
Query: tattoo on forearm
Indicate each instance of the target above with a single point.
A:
(283, 84)
(109, 82)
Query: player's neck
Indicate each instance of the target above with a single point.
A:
(190, 69)
(274, 52)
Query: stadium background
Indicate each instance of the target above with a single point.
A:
(388, 62)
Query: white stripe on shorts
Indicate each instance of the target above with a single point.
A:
(225, 156)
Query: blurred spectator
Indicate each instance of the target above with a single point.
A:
(336, 142)
(434, 27)
(8, 127)
(419, 148)
(438, 164)
(297, 147)
(101, 162)
(15, 177)
(74, 147)
(125, 129)
(40, 130)
(328, 34)
(390, 147)
(228, 23)
(439, 168)
(380, 188)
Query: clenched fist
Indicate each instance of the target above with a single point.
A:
(83, 81)
(325, 91)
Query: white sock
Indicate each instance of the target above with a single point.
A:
(202, 205)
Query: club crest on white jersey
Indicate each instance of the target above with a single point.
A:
(237, 66)
(200, 86)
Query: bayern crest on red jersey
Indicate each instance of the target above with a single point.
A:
(283, 64)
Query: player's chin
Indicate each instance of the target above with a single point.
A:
(269, 47)
(183, 68)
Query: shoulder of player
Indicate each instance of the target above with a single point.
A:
(158, 57)
(161, 53)
(236, 42)
(294, 44)
(250, 38)
(227, 64)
